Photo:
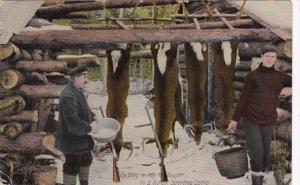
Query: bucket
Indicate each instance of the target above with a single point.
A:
(106, 130)
(232, 163)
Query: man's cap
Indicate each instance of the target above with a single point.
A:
(267, 49)
(77, 70)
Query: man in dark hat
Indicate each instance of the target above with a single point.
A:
(73, 137)
(257, 107)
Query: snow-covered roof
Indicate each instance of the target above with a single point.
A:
(274, 12)
(15, 15)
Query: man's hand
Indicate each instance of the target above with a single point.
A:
(93, 131)
(93, 115)
(190, 130)
(232, 126)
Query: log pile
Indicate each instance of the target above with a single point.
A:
(27, 91)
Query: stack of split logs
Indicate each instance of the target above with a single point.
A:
(31, 82)
(249, 60)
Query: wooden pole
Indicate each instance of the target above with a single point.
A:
(208, 25)
(58, 11)
(203, 15)
(41, 91)
(109, 38)
(74, 60)
(26, 116)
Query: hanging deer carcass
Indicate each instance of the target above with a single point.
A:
(165, 86)
(117, 89)
(196, 59)
(225, 57)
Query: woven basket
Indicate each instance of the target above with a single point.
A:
(232, 163)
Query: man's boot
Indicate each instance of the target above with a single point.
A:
(257, 179)
(84, 182)
(84, 175)
(69, 179)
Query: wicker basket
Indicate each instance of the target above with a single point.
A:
(232, 163)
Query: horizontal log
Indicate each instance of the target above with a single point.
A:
(42, 66)
(24, 116)
(58, 11)
(76, 15)
(238, 85)
(208, 25)
(14, 129)
(58, 39)
(12, 105)
(14, 79)
(133, 54)
(243, 66)
(284, 131)
(204, 15)
(74, 60)
(253, 49)
(240, 75)
(41, 91)
(33, 143)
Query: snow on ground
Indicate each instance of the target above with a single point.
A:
(190, 164)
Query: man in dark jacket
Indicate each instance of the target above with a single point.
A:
(257, 106)
(73, 137)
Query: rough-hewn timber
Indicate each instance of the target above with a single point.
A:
(108, 39)
(59, 10)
